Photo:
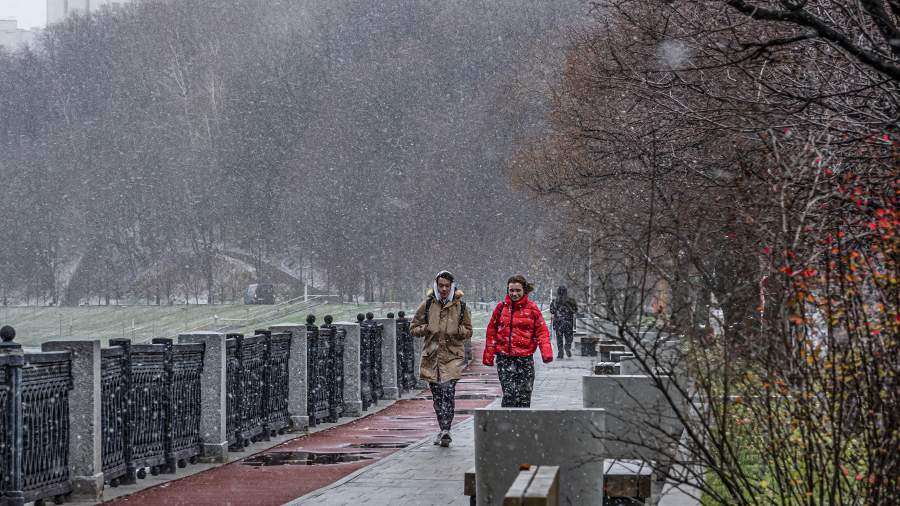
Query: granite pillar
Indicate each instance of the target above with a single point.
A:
(213, 396)
(352, 380)
(389, 358)
(298, 384)
(85, 422)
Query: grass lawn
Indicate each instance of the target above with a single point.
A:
(35, 324)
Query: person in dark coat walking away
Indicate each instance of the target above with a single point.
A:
(516, 330)
(445, 323)
(563, 310)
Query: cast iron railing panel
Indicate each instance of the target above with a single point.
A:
(378, 364)
(113, 411)
(278, 369)
(316, 373)
(232, 388)
(5, 433)
(148, 405)
(330, 360)
(366, 365)
(252, 351)
(46, 381)
(406, 359)
(184, 400)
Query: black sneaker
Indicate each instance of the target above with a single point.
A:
(437, 437)
(445, 438)
(560, 355)
(568, 353)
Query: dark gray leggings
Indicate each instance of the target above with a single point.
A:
(516, 379)
(443, 395)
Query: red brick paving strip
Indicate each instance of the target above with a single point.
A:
(406, 421)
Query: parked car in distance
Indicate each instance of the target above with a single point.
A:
(260, 293)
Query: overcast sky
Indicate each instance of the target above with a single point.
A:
(29, 13)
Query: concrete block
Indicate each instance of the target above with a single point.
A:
(639, 419)
(298, 385)
(213, 396)
(389, 358)
(85, 422)
(352, 379)
(508, 437)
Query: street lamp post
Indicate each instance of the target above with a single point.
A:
(590, 280)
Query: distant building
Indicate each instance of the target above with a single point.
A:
(13, 37)
(58, 10)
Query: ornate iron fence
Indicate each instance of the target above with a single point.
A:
(377, 356)
(115, 380)
(257, 377)
(147, 406)
(277, 417)
(406, 355)
(46, 381)
(232, 389)
(34, 423)
(335, 375)
(252, 351)
(318, 394)
(6, 435)
(184, 369)
(150, 408)
(366, 362)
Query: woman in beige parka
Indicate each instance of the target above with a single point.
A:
(445, 322)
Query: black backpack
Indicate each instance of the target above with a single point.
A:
(462, 309)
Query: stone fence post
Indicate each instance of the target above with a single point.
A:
(298, 386)
(85, 422)
(213, 398)
(352, 387)
(389, 358)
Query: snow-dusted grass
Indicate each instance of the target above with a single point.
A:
(141, 323)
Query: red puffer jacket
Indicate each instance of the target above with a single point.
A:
(517, 329)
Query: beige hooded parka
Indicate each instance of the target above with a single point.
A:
(444, 351)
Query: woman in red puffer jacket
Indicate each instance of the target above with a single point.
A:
(516, 330)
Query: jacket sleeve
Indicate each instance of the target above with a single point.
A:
(543, 337)
(465, 328)
(418, 327)
(490, 339)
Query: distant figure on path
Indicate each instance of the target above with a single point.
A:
(563, 310)
(516, 330)
(445, 323)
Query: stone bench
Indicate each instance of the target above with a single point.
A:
(629, 481)
(569, 438)
(604, 350)
(617, 356)
(534, 486)
(606, 368)
(588, 346)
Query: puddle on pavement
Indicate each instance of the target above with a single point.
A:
(381, 445)
(303, 459)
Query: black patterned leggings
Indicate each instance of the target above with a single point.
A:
(443, 395)
(516, 379)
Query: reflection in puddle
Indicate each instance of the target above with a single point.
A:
(381, 445)
(303, 459)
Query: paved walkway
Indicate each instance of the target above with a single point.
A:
(424, 474)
